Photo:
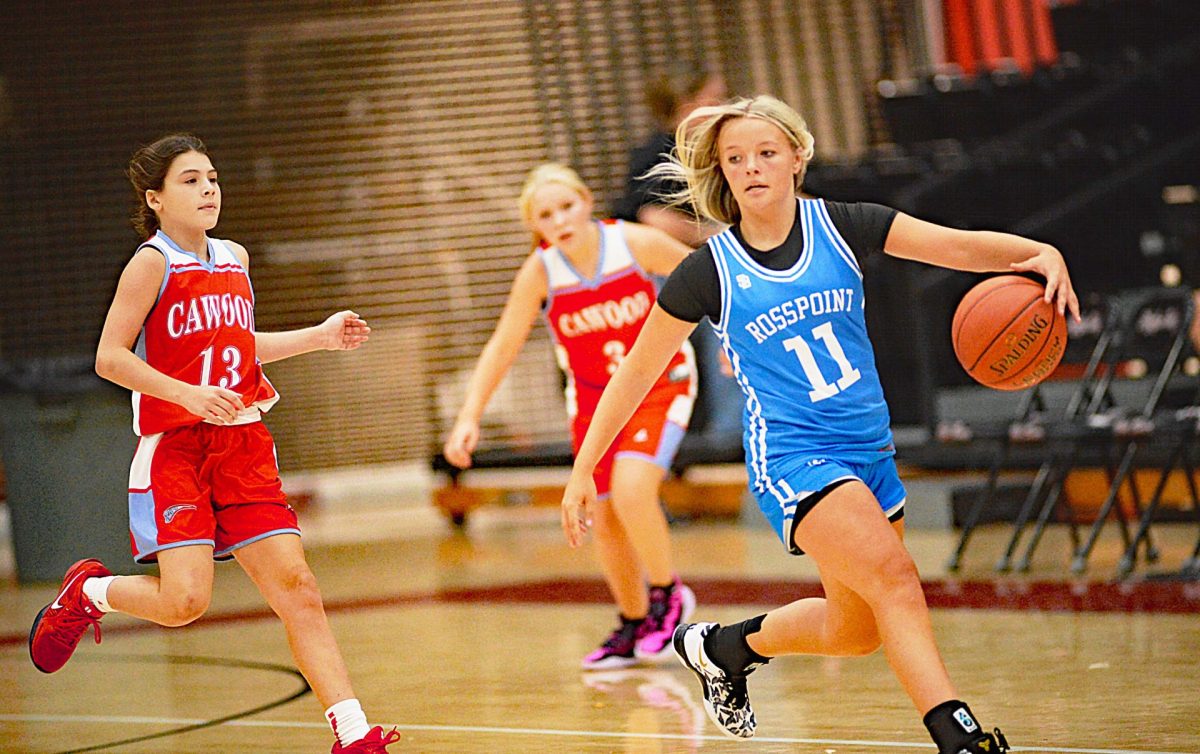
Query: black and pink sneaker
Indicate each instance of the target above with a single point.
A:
(668, 608)
(617, 651)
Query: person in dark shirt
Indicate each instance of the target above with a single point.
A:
(670, 96)
(783, 290)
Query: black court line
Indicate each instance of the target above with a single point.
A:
(210, 661)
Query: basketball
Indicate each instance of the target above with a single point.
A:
(1005, 335)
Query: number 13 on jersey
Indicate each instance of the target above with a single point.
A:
(822, 389)
(232, 359)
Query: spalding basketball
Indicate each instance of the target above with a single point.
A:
(1005, 335)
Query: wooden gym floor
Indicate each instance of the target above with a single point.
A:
(470, 642)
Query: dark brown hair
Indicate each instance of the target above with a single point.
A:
(148, 169)
(679, 82)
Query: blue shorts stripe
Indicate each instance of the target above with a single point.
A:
(227, 553)
(151, 555)
(143, 524)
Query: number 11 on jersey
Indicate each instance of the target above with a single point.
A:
(821, 388)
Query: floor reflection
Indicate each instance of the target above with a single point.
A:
(655, 701)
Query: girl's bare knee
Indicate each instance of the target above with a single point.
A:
(893, 578)
(905, 583)
(185, 607)
(299, 589)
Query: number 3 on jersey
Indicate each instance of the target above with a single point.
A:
(232, 359)
(615, 351)
(822, 389)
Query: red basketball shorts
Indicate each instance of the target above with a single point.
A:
(652, 434)
(206, 485)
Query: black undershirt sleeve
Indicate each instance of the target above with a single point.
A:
(693, 290)
(863, 226)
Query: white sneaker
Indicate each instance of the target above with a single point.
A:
(725, 698)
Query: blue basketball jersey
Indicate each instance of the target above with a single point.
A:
(797, 341)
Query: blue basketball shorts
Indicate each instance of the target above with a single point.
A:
(807, 481)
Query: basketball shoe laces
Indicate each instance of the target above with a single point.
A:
(69, 627)
(660, 607)
(375, 742)
(391, 737)
(385, 739)
(623, 636)
(731, 688)
(1001, 741)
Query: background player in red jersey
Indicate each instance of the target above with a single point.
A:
(204, 483)
(592, 281)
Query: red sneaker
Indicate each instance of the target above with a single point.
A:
(58, 628)
(375, 742)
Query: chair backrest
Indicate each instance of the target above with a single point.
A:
(1089, 343)
(1155, 320)
(1084, 338)
(1150, 342)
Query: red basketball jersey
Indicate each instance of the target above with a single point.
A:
(595, 321)
(200, 331)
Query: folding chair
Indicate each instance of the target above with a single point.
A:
(1150, 327)
(1096, 337)
(1175, 432)
(1181, 429)
(1156, 323)
(1087, 343)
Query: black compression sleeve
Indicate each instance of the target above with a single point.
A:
(862, 225)
(693, 290)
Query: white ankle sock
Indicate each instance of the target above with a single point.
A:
(348, 721)
(96, 590)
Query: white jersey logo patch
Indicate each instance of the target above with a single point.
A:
(965, 720)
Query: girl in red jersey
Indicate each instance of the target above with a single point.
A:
(592, 282)
(204, 483)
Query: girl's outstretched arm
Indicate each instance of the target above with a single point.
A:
(983, 251)
(529, 291)
(343, 331)
(660, 339)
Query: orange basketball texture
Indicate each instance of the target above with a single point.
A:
(1005, 335)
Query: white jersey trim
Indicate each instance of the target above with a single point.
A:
(246, 415)
(839, 243)
(756, 425)
(730, 243)
(139, 470)
(615, 256)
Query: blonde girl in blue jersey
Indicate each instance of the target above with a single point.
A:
(782, 287)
